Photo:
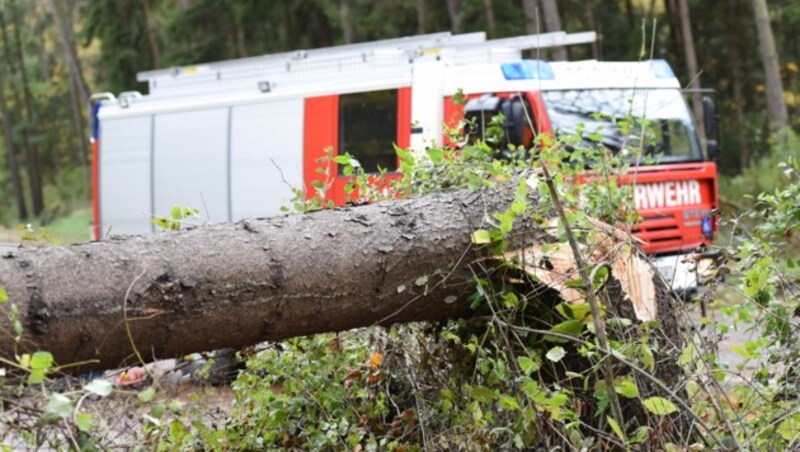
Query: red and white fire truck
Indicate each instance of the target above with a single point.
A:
(226, 137)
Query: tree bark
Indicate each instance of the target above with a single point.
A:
(65, 37)
(422, 17)
(531, 17)
(347, 25)
(552, 22)
(152, 37)
(769, 58)
(79, 92)
(737, 83)
(32, 152)
(11, 152)
(491, 22)
(256, 280)
(456, 16)
(691, 59)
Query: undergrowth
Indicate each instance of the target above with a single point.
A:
(528, 370)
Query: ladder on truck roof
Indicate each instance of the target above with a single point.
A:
(267, 72)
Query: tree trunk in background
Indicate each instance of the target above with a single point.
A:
(736, 62)
(32, 152)
(456, 16)
(691, 60)
(491, 22)
(15, 92)
(422, 17)
(629, 14)
(45, 59)
(152, 38)
(769, 57)
(79, 92)
(671, 13)
(347, 26)
(531, 17)
(591, 19)
(67, 42)
(552, 22)
(11, 152)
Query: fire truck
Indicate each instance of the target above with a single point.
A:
(232, 137)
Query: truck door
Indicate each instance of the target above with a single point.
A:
(521, 110)
(366, 125)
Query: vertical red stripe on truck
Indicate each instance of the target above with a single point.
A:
(320, 132)
(403, 118)
(96, 188)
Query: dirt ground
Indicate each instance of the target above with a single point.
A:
(120, 417)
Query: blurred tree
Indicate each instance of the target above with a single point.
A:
(690, 54)
(16, 60)
(10, 148)
(769, 58)
(552, 22)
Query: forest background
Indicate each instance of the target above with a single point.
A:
(55, 53)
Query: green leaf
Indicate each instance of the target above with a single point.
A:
(626, 387)
(641, 435)
(509, 402)
(157, 410)
(510, 300)
(436, 155)
(41, 361)
(687, 355)
(789, 428)
(175, 406)
(147, 395)
(615, 427)
(421, 281)
(481, 236)
(526, 365)
(600, 277)
(646, 357)
(59, 405)
(84, 422)
(575, 311)
(574, 283)
(100, 387)
(555, 354)
(659, 406)
(482, 394)
(342, 159)
(3, 295)
(570, 327)
(175, 213)
(36, 376)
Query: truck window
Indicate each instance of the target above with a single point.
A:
(368, 128)
(670, 136)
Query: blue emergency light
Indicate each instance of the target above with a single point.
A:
(528, 70)
(661, 69)
(706, 227)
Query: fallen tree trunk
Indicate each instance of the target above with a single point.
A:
(232, 285)
(239, 284)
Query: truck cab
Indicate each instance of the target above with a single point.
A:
(674, 179)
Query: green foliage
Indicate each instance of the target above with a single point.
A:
(178, 216)
(510, 380)
(765, 174)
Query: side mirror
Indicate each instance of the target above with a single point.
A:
(711, 123)
(516, 122)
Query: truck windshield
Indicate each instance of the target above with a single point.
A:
(669, 134)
